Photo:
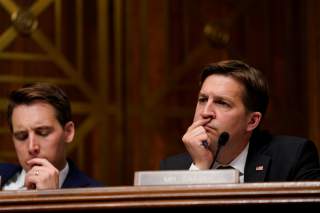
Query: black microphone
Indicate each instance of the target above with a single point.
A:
(222, 140)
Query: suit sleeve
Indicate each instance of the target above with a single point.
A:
(163, 165)
(177, 162)
(307, 165)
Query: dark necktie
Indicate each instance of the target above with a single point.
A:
(225, 167)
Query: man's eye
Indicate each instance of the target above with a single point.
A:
(21, 136)
(222, 103)
(43, 132)
(202, 99)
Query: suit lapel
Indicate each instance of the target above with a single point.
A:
(256, 168)
(7, 171)
(258, 161)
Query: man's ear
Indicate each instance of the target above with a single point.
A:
(254, 120)
(69, 131)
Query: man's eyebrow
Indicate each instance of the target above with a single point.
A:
(202, 94)
(42, 128)
(19, 131)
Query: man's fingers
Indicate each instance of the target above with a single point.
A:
(39, 162)
(198, 123)
(197, 131)
(30, 181)
(42, 177)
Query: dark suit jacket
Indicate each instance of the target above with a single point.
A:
(75, 178)
(270, 158)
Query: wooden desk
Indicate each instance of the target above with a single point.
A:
(228, 196)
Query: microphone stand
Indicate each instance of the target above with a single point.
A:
(223, 139)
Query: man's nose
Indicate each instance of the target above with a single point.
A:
(208, 111)
(33, 147)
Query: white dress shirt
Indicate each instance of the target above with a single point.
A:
(238, 163)
(17, 181)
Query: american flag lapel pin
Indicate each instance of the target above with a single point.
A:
(259, 168)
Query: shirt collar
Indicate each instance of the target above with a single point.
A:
(239, 162)
(63, 174)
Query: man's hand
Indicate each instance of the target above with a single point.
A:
(193, 140)
(42, 175)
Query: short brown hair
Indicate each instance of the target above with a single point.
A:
(43, 92)
(256, 95)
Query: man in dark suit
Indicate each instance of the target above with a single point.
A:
(232, 101)
(39, 117)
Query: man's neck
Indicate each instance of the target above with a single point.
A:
(231, 150)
